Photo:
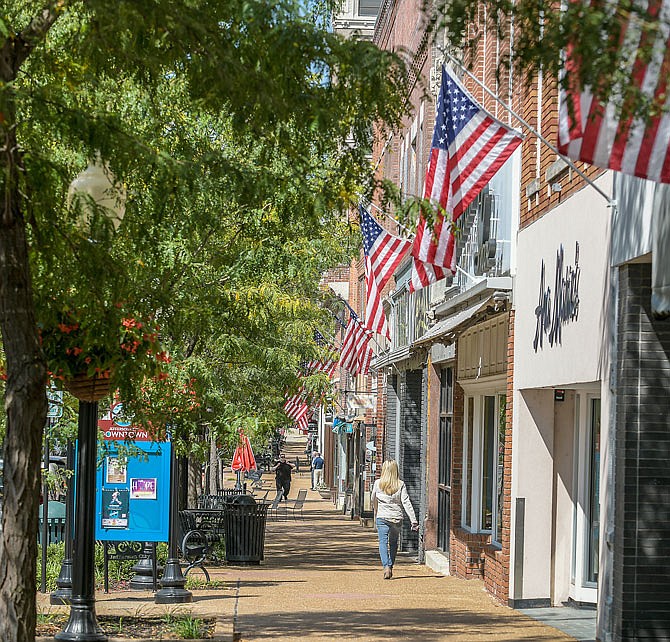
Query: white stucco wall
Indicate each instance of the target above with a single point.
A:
(583, 219)
(533, 481)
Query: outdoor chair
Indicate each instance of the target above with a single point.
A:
(196, 545)
(298, 504)
(256, 478)
(274, 507)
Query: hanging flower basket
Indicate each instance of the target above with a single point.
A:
(88, 388)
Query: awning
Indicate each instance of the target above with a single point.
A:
(392, 356)
(447, 327)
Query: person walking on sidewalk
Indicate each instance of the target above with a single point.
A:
(283, 472)
(317, 469)
(389, 498)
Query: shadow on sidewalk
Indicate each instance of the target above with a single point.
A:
(388, 624)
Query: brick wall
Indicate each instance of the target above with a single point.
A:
(471, 554)
(641, 569)
(339, 273)
(539, 108)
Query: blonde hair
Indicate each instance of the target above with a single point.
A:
(389, 482)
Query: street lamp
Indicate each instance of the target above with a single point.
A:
(173, 582)
(98, 183)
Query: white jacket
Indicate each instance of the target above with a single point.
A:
(389, 507)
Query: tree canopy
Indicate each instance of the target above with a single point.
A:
(239, 131)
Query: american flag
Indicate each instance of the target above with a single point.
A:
(356, 353)
(597, 133)
(469, 146)
(295, 405)
(328, 366)
(383, 253)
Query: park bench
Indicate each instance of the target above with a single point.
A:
(219, 499)
(201, 531)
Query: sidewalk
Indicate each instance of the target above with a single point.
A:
(321, 580)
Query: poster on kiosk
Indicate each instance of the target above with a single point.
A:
(132, 500)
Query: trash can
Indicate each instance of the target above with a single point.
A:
(244, 524)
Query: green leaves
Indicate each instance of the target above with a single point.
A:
(228, 124)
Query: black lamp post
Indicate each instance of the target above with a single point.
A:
(97, 183)
(63, 594)
(173, 581)
(83, 625)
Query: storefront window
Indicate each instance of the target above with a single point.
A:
(484, 463)
(488, 471)
(444, 470)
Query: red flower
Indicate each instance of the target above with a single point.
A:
(66, 328)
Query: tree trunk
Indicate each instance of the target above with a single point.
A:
(213, 465)
(194, 482)
(25, 404)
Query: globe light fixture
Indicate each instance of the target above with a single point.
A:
(102, 193)
(98, 183)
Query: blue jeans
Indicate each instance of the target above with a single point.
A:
(388, 534)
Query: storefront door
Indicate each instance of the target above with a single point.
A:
(586, 510)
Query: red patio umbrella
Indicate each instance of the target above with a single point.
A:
(243, 459)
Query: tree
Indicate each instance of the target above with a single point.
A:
(218, 117)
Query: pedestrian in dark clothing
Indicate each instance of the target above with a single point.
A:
(283, 472)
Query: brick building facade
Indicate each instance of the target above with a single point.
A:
(521, 426)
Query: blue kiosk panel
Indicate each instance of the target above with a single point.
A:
(132, 500)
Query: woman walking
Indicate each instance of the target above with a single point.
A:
(389, 497)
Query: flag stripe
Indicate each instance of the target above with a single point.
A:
(356, 352)
(375, 319)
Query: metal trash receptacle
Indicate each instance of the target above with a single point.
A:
(244, 525)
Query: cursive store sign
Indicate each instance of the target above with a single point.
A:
(553, 311)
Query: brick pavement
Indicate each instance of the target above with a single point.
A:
(321, 580)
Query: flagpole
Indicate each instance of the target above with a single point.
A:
(610, 202)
